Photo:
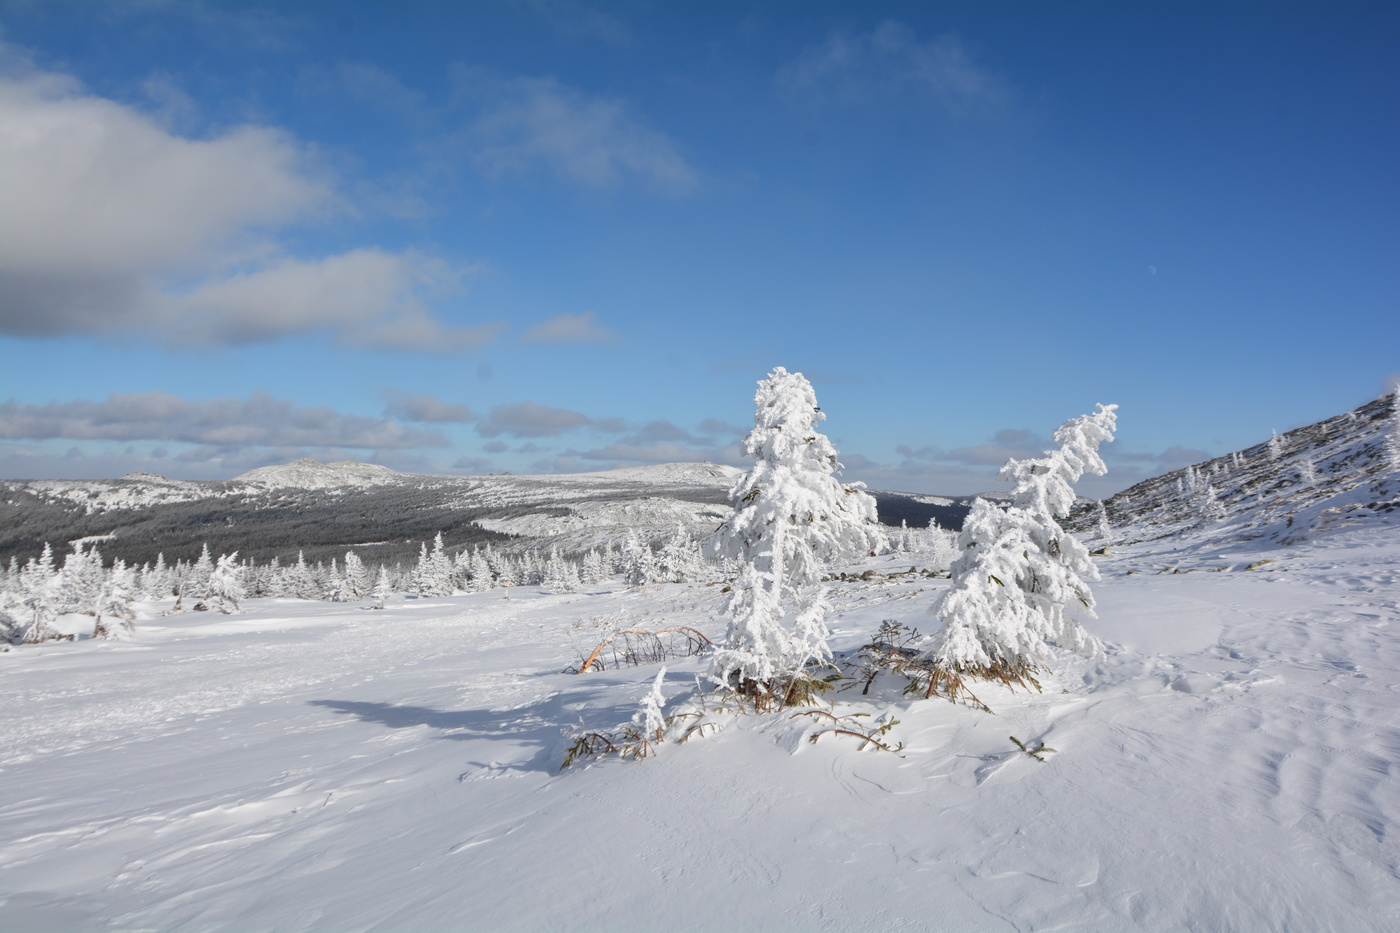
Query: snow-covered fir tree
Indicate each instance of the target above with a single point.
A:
(41, 610)
(114, 611)
(479, 576)
(357, 578)
(560, 575)
(196, 585)
(382, 588)
(1105, 530)
(791, 516)
(591, 571)
(302, 582)
(1019, 571)
(226, 584)
(1392, 433)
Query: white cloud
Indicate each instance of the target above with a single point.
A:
(853, 68)
(569, 328)
(593, 142)
(426, 408)
(257, 421)
(110, 223)
(527, 419)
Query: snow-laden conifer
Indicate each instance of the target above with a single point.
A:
(114, 612)
(1020, 572)
(357, 578)
(1392, 434)
(649, 721)
(226, 584)
(791, 516)
(382, 588)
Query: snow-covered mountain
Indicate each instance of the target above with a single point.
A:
(1339, 472)
(312, 474)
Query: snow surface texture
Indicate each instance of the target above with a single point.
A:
(316, 766)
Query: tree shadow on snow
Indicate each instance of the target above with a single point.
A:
(539, 726)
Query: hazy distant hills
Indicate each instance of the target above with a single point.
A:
(1336, 472)
(324, 509)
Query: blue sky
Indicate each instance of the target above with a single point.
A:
(555, 236)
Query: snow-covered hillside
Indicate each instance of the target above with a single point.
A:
(315, 766)
(312, 474)
(323, 509)
(1339, 472)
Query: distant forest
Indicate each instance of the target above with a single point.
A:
(384, 524)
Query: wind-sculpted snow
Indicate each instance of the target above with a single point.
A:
(308, 766)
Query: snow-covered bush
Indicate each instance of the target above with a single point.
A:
(1020, 572)
(791, 516)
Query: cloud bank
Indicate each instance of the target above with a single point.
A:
(110, 223)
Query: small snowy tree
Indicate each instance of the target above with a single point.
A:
(791, 516)
(1392, 434)
(1019, 571)
(41, 613)
(649, 721)
(114, 612)
(357, 579)
(226, 584)
(196, 585)
(382, 588)
(560, 575)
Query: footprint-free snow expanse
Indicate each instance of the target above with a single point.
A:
(1230, 765)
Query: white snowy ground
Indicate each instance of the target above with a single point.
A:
(1230, 766)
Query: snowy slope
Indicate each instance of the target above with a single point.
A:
(311, 766)
(312, 474)
(1335, 473)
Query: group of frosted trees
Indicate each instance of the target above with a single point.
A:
(1014, 585)
(1017, 583)
(33, 595)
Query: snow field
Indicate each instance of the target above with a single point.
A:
(1228, 765)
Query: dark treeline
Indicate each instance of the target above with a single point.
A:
(391, 520)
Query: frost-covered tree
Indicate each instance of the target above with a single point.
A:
(560, 575)
(156, 583)
(226, 584)
(591, 572)
(791, 516)
(479, 577)
(114, 612)
(41, 611)
(357, 578)
(1392, 434)
(649, 721)
(1019, 571)
(196, 586)
(80, 582)
(382, 588)
(641, 563)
